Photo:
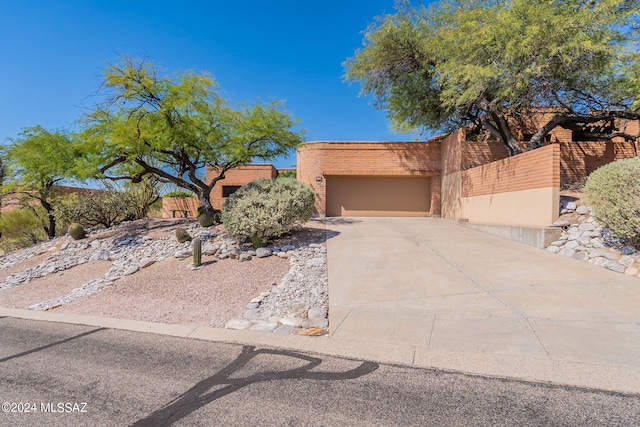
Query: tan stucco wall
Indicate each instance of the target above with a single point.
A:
(538, 207)
(522, 190)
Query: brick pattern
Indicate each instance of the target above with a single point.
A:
(535, 169)
(579, 159)
(179, 207)
(237, 177)
(320, 159)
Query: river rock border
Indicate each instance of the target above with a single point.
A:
(586, 240)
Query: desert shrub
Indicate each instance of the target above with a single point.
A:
(267, 208)
(21, 228)
(105, 208)
(206, 220)
(179, 193)
(614, 193)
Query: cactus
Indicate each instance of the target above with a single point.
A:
(76, 231)
(205, 220)
(182, 235)
(197, 252)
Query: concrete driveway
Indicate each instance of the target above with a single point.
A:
(457, 298)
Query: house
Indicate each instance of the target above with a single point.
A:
(452, 176)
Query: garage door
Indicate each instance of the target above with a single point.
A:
(378, 196)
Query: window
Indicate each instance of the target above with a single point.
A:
(228, 190)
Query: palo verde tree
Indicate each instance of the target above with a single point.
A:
(36, 162)
(172, 128)
(485, 64)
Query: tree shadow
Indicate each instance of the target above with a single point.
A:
(200, 395)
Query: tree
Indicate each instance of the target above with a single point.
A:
(36, 162)
(486, 64)
(173, 128)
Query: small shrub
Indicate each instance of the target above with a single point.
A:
(76, 231)
(179, 193)
(267, 208)
(21, 228)
(614, 193)
(205, 220)
(182, 235)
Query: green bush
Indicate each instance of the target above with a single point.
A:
(614, 194)
(105, 208)
(267, 208)
(21, 228)
(179, 193)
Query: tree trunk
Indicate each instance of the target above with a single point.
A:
(51, 229)
(204, 197)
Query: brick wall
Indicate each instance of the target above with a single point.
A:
(179, 207)
(238, 177)
(522, 190)
(579, 159)
(535, 169)
(316, 160)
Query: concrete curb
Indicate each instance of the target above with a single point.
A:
(617, 378)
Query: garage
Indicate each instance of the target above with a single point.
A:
(378, 195)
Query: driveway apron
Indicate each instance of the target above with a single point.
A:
(450, 292)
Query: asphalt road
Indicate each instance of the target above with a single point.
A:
(56, 374)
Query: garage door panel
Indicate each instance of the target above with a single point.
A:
(378, 196)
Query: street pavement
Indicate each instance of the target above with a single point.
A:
(59, 374)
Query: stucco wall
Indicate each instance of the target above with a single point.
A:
(521, 190)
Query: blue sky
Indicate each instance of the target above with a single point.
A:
(53, 53)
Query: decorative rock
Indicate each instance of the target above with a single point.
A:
(238, 324)
(614, 266)
(285, 329)
(599, 261)
(286, 248)
(146, 262)
(571, 206)
(553, 249)
(263, 252)
(264, 327)
(95, 244)
(252, 313)
(284, 255)
(315, 262)
(627, 260)
(558, 243)
(183, 253)
(581, 256)
(64, 246)
(320, 312)
(131, 270)
(567, 252)
(582, 210)
(253, 305)
(244, 257)
(292, 321)
(631, 271)
(572, 244)
(561, 223)
(603, 253)
(627, 250)
(318, 322)
(586, 226)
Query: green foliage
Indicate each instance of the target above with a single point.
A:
(182, 235)
(101, 207)
(488, 63)
(179, 193)
(172, 128)
(614, 193)
(37, 161)
(197, 252)
(267, 208)
(20, 228)
(76, 231)
(288, 174)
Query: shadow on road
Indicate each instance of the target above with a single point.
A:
(197, 397)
